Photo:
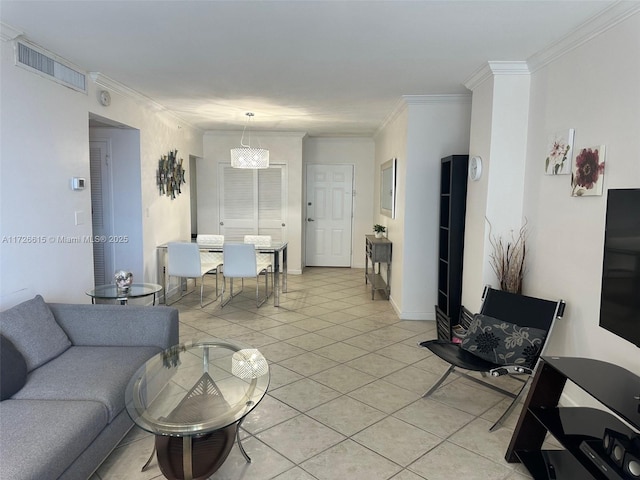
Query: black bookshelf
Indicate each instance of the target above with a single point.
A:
(453, 204)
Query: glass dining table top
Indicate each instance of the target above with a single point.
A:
(136, 290)
(195, 388)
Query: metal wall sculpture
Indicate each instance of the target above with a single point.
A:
(170, 175)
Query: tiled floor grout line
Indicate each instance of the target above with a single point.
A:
(370, 323)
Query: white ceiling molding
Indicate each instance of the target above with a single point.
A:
(254, 133)
(593, 27)
(121, 89)
(407, 100)
(8, 33)
(400, 107)
(493, 68)
(437, 99)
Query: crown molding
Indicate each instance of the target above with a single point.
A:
(461, 98)
(8, 33)
(114, 86)
(254, 132)
(593, 27)
(401, 106)
(406, 100)
(493, 68)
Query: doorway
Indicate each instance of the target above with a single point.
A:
(329, 213)
(116, 199)
(101, 210)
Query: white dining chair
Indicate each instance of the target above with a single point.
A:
(240, 262)
(184, 261)
(209, 240)
(263, 259)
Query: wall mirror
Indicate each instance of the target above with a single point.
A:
(388, 188)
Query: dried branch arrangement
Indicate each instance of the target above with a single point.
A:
(508, 259)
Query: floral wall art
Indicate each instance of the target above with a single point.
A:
(587, 172)
(559, 151)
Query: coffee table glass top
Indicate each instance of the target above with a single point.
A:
(197, 387)
(136, 290)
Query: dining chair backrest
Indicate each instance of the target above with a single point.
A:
(184, 260)
(258, 240)
(207, 239)
(239, 260)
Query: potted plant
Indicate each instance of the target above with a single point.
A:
(379, 230)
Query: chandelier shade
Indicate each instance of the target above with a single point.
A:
(246, 156)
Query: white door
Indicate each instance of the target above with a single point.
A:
(101, 212)
(252, 202)
(329, 212)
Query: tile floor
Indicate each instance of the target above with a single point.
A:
(345, 395)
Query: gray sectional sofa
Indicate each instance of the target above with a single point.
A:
(64, 372)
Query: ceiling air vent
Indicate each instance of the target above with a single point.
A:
(46, 64)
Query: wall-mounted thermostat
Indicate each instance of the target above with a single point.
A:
(77, 183)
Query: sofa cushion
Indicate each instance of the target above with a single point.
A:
(13, 369)
(33, 330)
(99, 374)
(41, 438)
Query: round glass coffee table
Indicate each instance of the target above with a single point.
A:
(194, 397)
(112, 292)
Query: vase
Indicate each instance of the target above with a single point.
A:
(378, 234)
(124, 280)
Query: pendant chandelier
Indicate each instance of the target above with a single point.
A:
(247, 156)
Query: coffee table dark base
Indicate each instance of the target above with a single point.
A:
(208, 453)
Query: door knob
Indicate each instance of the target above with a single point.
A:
(310, 220)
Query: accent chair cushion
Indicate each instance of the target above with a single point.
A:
(13, 369)
(33, 329)
(503, 343)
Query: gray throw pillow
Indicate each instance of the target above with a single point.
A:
(33, 329)
(13, 369)
(503, 343)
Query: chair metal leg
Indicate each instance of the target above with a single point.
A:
(202, 293)
(435, 386)
(231, 294)
(511, 407)
(166, 295)
(266, 290)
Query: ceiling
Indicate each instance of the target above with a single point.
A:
(321, 67)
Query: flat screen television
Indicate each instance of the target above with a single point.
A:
(620, 297)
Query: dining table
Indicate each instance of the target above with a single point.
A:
(278, 251)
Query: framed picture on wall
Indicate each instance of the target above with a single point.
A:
(587, 172)
(559, 152)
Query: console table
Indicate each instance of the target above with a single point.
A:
(378, 250)
(579, 430)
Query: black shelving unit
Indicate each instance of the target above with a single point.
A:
(453, 204)
(575, 427)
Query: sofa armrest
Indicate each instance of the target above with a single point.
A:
(118, 325)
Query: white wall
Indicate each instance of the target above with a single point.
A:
(359, 152)
(283, 149)
(565, 243)
(495, 201)
(567, 234)
(438, 127)
(391, 142)
(423, 130)
(45, 142)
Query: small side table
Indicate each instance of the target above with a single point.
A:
(136, 290)
(378, 250)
